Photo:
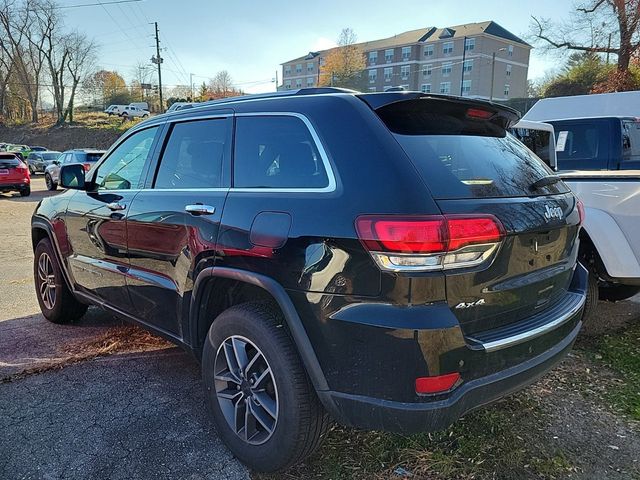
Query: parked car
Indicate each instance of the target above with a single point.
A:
(140, 105)
(14, 175)
(610, 237)
(22, 151)
(38, 161)
(86, 157)
(133, 111)
(4, 146)
(115, 109)
(245, 231)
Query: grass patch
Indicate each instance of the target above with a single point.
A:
(494, 441)
(620, 351)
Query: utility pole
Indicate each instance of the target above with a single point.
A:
(608, 48)
(276, 80)
(158, 60)
(493, 71)
(191, 85)
(464, 56)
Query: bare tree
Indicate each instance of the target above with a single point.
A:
(82, 56)
(222, 84)
(598, 26)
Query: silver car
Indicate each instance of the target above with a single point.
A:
(39, 161)
(86, 156)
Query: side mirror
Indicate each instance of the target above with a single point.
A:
(72, 176)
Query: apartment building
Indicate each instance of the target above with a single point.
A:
(468, 60)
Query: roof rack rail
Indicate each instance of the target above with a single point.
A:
(287, 93)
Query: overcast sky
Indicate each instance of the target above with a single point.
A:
(251, 38)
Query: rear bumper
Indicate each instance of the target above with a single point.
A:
(372, 353)
(12, 187)
(378, 414)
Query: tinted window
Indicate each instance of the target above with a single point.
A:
(631, 140)
(276, 152)
(9, 162)
(123, 168)
(50, 156)
(538, 141)
(465, 166)
(582, 145)
(193, 155)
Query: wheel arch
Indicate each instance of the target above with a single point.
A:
(274, 291)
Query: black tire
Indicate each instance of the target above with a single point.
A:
(51, 185)
(25, 192)
(62, 307)
(300, 421)
(589, 313)
(616, 293)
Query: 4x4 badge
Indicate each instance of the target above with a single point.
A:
(470, 304)
(552, 212)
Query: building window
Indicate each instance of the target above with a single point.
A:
(388, 55)
(287, 70)
(447, 48)
(287, 84)
(298, 83)
(428, 51)
(506, 90)
(426, 88)
(446, 69)
(426, 70)
(310, 81)
(299, 68)
(388, 73)
(373, 58)
(404, 72)
(373, 76)
(469, 44)
(310, 67)
(466, 87)
(510, 50)
(372, 89)
(445, 87)
(508, 70)
(406, 53)
(321, 61)
(467, 66)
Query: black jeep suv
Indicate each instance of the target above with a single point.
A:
(387, 260)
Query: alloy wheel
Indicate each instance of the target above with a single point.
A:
(47, 281)
(246, 390)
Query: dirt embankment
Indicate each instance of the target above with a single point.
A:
(60, 138)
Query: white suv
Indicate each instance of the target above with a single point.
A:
(133, 111)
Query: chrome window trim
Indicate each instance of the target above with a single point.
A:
(331, 187)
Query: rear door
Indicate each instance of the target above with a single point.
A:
(472, 167)
(173, 223)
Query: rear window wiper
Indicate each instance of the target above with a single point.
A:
(544, 182)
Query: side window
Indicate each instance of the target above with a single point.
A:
(63, 158)
(276, 152)
(193, 155)
(631, 140)
(582, 146)
(123, 168)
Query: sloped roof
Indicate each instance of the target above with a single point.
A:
(430, 33)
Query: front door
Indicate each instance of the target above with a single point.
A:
(173, 225)
(96, 221)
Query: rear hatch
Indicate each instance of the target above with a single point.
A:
(12, 170)
(471, 166)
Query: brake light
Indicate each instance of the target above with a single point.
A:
(479, 113)
(437, 384)
(429, 242)
(581, 211)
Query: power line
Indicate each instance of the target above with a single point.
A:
(96, 4)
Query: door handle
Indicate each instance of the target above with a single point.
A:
(199, 209)
(115, 206)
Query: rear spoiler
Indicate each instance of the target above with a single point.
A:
(499, 115)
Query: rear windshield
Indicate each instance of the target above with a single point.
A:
(9, 162)
(50, 156)
(470, 166)
(88, 157)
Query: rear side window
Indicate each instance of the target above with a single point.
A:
(631, 140)
(193, 155)
(538, 141)
(582, 145)
(469, 166)
(276, 152)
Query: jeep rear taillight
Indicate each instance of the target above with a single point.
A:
(426, 243)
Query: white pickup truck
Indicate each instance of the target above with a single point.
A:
(608, 183)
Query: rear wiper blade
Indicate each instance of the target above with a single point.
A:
(544, 182)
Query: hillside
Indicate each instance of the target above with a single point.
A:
(95, 130)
